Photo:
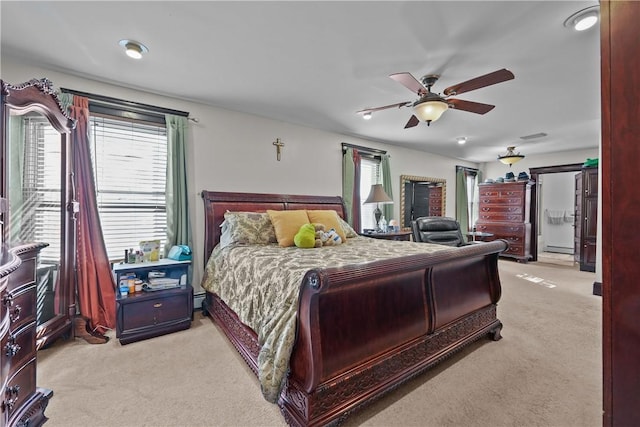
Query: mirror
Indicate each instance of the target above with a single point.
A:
(421, 196)
(36, 180)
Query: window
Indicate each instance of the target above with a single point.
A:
(130, 164)
(370, 173)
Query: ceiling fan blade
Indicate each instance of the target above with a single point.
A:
(398, 105)
(472, 107)
(413, 121)
(482, 81)
(410, 82)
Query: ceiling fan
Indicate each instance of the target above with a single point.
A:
(430, 106)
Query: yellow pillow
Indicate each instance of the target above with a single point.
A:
(330, 219)
(287, 224)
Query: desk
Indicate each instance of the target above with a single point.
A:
(400, 235)
(478, 234)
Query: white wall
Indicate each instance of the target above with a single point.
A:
(231, 151)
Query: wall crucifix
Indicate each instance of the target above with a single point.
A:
(279, 144)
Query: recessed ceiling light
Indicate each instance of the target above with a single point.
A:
(367, 115)
(133, 49)
(583, 19)
(461, 139)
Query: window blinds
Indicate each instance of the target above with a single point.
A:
(130, 164)
(369, 174)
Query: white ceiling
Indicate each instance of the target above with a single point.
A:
(317, 63)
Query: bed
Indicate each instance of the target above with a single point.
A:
(361, 329)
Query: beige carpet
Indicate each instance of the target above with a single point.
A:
(546, 371)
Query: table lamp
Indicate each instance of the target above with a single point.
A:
(378, 196)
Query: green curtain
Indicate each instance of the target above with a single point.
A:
(462, 202)
(177, 194)
(348, 182)
(387, 209)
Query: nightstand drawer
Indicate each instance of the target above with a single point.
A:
(152, 311)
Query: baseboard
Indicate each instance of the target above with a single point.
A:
(597, 288)
(558, 249)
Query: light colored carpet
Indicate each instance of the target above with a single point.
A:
(546, 371)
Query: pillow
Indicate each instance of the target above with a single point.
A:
(286, 224)
(348, 230)
(252, 228)
(330, 219)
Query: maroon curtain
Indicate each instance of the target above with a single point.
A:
(355, 208)
(95, 284)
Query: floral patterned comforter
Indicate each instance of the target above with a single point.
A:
(261, 284)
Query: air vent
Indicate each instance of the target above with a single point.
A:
(533, 136)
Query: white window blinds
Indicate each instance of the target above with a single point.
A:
(130, 164)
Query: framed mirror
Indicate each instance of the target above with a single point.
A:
(421, 196)
(36, 179)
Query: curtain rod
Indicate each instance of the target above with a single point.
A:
(128, 104)
(361, 148)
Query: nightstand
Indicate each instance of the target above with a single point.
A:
(400, 235)
(143, 315)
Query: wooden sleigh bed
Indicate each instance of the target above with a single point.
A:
(362, 330)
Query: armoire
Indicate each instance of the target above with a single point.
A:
(38, 235)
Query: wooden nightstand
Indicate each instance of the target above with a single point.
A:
(400, 235)
(143, 315)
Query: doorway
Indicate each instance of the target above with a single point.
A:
(537, 211)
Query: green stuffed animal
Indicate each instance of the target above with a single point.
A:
(306, 236)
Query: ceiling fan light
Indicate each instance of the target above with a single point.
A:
(510, 157)
(461, 140)
(430, 111)
(367, 115)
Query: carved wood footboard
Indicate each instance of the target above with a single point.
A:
(364, 330)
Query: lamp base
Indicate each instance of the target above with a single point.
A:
(377, 213)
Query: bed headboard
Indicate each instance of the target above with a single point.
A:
(216, 203)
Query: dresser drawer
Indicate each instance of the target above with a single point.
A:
(502, 229)
(24, 275)
(500, 217)
(517, 201)
(19, 387)
(501, 209)
(514, 250)
(21, 306)
(19, 347)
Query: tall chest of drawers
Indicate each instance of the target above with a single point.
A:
(503, 211)
(23, 403)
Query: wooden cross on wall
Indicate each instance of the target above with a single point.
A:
(279, 144)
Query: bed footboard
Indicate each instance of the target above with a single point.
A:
(364, 331)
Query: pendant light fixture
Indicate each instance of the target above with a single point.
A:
(510, 157)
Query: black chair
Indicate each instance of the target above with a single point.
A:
(441, 230)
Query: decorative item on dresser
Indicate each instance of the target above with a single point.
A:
(503, 210)
(23, 404)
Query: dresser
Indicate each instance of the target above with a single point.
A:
(23, 403)
(503, 210)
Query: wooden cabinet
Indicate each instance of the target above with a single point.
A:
(587, 215)
(503, 211)
(23, 403)
(143, 315)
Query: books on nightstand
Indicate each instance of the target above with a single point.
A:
(160, 283)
